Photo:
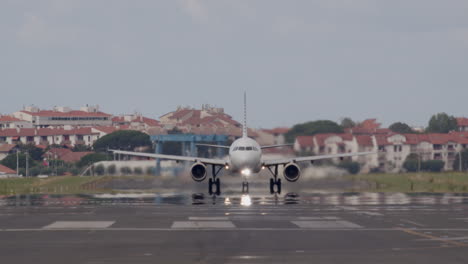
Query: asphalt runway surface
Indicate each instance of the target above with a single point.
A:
(263, 228)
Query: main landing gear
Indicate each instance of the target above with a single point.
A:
(275, 183)
(214, 182)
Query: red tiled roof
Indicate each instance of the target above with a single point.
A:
(364, 140)
(75, 156)
(6, 170)
(30, 132)
(181, 113)
(74, 113)
(322, 137)
(60, 152)
(12, 132)
(382, 140)
(106, 129)
(462, 121)
(150, 121)
(369, 124)
(8, 119)
(6, 147)
(278, 130)
(305, 141)
(140, 119)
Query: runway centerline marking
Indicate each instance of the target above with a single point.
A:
(79, 224)
(208, 218)
(202, 224)
(326, 224)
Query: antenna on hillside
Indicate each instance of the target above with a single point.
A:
(244, 126)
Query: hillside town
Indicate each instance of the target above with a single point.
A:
(60, 132)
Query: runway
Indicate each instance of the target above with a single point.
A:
(186, 228)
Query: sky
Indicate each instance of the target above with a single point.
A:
(301, 60)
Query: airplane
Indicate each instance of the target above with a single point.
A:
(244, 158)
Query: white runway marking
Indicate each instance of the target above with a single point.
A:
(369, 213)
(79, 224)
(202, 224)
(326, 224)
(412, 222)
(318, 218)
(208, 218)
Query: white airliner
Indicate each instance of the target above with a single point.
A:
(245, 158)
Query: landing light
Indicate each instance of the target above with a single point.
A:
(263, 167)
(226, 167)
(245, 200)
(246, 172)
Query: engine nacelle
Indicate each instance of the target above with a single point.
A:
(198, 172)
(291, 172)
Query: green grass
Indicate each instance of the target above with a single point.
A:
(401, 182)
(61, 184)
(414, 182)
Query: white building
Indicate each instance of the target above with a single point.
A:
(392, 149)
(64, 116)
(12, 122)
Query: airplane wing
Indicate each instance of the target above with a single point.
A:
(276, 146)
(312, 158)
(220, 162)
(213, 146)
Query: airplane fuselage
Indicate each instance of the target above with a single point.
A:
(245, 156)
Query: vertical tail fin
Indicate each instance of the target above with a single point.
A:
(244, 125)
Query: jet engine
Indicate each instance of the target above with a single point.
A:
(198, 172)
(291, 172)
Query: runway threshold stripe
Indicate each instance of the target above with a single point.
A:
(79, 224)
(202, 224)
(208, 218)
(416, 233)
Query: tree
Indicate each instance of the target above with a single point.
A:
(432, 165)
(464, 161)
(111, 169)
(138, 171)
(10, 161)
(412, 163)
(441, 123)
(99, 169)
(347, 123)
(122, 139)
(351, 166)
(400, 127)
(81, 148)
(34, 152)
(312, 128)
(92, 158)
(126, 170)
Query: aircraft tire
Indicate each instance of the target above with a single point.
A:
(210, 186)
(218, 186)
(278, 186)
(272, 186)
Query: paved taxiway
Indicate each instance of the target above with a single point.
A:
(320, 228)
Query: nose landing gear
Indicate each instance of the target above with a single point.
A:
(245, 187)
